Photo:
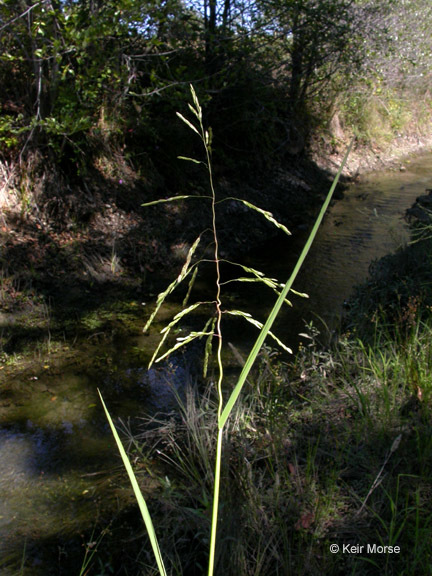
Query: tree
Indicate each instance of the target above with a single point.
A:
(67, 64)
(317, 40)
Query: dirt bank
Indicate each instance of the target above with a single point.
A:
(365, 159)
(64, 244)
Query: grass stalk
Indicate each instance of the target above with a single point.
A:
(138, 494)
(275, 311)
(218, 332)
(215, 508)
(223, 411)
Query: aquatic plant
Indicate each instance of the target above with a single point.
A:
(212, 330)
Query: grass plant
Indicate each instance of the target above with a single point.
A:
(212, 330)
(333, 472)
(350, 465)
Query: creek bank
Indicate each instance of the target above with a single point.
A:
(61, 256)
(63, 260)
(363, 159)
(397, 292)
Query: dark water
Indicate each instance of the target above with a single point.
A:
(61, 480)
(59, 472)
(367, 224)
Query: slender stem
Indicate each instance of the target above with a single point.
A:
(218, 334)
(215, 510)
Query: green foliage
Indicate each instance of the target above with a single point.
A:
(83, 79)
(9, 131)
(72, 67)
(389, 95)
(318, 37)
(139, 497)
(355, 452)
(407, 59)
(377, 113)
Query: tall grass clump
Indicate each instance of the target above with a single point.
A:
(379, 114)
(373, 419)
(218, 419)
(350, 465)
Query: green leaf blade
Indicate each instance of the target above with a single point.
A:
(273, 314)
(137, 492)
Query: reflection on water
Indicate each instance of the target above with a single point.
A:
(60, 475)
(47, 445)
(367, 224)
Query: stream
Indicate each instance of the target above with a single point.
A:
(365, 225)
(60, 477)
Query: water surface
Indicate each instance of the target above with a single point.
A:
(365, 225)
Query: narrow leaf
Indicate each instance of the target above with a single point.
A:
(183, 274)
(196, 102)
(208, 137)
(190, 160)
(267, 281)
(208, 347)
(258, 325)
(159, 301)
(138, 495)
(191, 252)
(241, 279)
(182, 342)
(267, 215)
(253, 271)
(273, 314)
(195, 112)
(166, 331)
(158, 347)
(182, 314)
(172, 199)
(260, 275)
(301, 294)
(190, 286)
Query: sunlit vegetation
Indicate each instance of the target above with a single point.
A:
(92, 86)
(334, 449)
(331, 448)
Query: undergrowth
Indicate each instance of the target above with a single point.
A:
(335, 449)
(379, 114)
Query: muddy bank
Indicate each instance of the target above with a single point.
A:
(365, 159)
(99, 239)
